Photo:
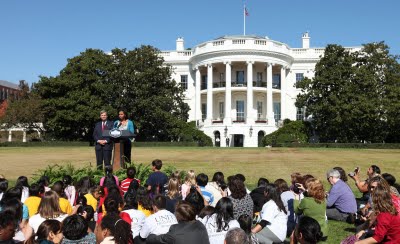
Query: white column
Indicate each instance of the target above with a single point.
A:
(250, 112)
(270, 105)
(9, 136)
(198, 95)
(283, 93)
(228, 93)
(209, 94)
(24, 136)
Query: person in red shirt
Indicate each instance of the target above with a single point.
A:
(387, 229)
(130, 172)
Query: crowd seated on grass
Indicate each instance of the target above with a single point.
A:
(188, 208)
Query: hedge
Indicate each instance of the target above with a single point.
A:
(342, 145)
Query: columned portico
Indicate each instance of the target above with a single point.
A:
(228, 94)
(283, 93)
(209, 94)
(270, 111)
(250, 118)
(198, 95)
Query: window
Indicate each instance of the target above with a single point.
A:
(276, 81)
(277, 111)
(203, 111)
(239, 110)
(221, 110)
(299, 77)
(259, 110)
(184, 82)
(240, 77)
(301, 112)
(204, 82)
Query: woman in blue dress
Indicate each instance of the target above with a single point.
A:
(123, 123)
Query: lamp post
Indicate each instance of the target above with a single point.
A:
(251, 131)
(226, 131)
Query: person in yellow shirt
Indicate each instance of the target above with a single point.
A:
(65, 206)
(92, 197)
(33, 201)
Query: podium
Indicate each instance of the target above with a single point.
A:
(118, 137)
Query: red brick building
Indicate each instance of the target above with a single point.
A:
(8, 90)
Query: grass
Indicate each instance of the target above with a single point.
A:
(272, 163)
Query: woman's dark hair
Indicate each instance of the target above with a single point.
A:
(13, 206)
(81, 200)
(376, 169)
(224, 211)
(310, 230)
(13, 192)
(119, 229)
(7, 218)
(84, 184)
(143, 198)
(113, 201)
(245, 222)
(272, 193)
(109, 179)
(262, 182)
(282, 185)
(35, 190)
(44, 180)
(219, 178)
(3, 185)
(131, 172)
(58, 187)
(196, 199)
(130, 203)
(391, 180)
(185, 212)
(241, 177)
(238, 190)
(67, 180)
(89, 212)
(133, 188)
(343, 175)
(207, 211)
(124, 112)
(74, 227)
(47, 226)
(22, 181)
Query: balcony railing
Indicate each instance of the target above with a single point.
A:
(239, 84)
(219, 84)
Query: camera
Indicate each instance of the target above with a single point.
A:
(356, 170)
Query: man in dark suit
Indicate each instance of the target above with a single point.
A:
(103, 145)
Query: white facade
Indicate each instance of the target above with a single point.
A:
(240, 88)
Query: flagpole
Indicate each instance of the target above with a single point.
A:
(244, 19)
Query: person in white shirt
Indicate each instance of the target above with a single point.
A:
(273, 225)
(221, 221)
(49, 208)
(137, 216)
(159, 222)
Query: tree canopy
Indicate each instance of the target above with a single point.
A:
(354, 96)
(136, 81)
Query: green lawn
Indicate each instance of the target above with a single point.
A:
(254, 163)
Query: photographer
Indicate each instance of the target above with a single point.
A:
(363, 185)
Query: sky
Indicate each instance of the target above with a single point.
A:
(38, 37)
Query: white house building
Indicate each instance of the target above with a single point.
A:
(240, 88)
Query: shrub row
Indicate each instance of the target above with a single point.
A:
(56, 172)
(342, 145)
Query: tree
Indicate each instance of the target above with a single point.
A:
(354, 96)
(24, 110)
(136, 81)
(328, 97)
